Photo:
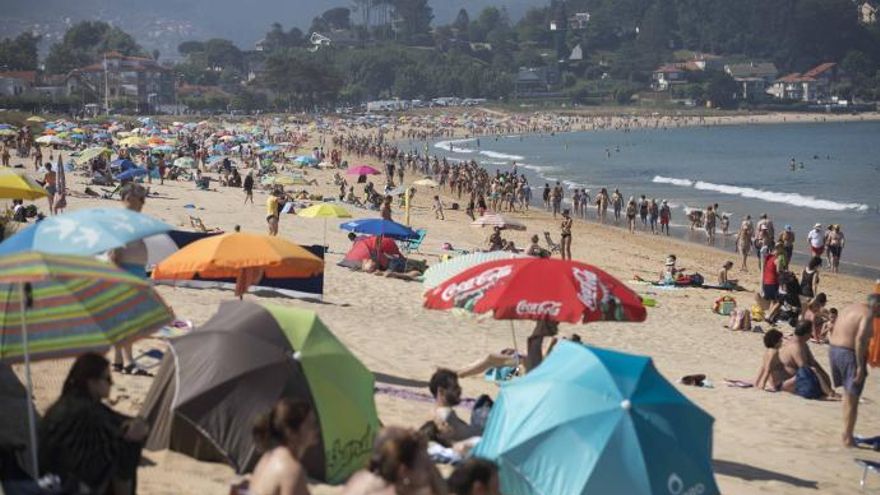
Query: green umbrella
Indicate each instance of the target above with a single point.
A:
(237, 365)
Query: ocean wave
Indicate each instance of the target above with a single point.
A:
(501, 156)
(793, 199)
(444, 145)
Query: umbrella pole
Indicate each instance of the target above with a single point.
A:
(513, 334)
(324, 241)
(25, 297)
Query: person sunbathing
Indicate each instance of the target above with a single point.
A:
(512, 363)
(284, 434)
(445, 389)
(399, 464)
(370, 266)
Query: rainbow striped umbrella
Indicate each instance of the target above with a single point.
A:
(78, 305)
(54, 306)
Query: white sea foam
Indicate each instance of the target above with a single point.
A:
(501, 156)
(444, 145)
(793, 199)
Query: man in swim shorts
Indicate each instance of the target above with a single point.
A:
(811, 380)
(816, 238)
(848, 355)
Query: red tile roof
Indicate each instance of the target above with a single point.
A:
(25, 75)
(820, 69)
(795, 77)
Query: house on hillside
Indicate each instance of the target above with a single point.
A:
(868, 12)
(826, 75)
(668, 75)
(753, 78)
(795, 87)
(579, 21)
(137, 80)
(535, 81)
(577, 54)
(17, 83)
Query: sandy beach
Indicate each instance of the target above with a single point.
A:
(763, 442)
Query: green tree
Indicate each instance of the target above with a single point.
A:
(86, 43)
(19, 53)
(721, 89)
(415, 18)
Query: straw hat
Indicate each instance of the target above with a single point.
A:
(817, 226)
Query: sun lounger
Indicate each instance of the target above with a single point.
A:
(554, 248)
(197, 224)
(413, 245)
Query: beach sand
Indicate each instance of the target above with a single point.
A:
(763, 442)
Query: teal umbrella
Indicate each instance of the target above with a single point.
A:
(589, 421)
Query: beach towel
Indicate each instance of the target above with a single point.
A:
(732, 382)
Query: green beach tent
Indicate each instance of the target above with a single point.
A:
(217, 380)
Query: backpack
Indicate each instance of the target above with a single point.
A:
(697, 280)
(724, 305)
(740, 319)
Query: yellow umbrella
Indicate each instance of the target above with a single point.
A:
(325, 211)
(36, 119)
(86, 155)
(16, 185)
(133, 141)
(7, 132)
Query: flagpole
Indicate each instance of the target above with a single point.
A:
(25, 299)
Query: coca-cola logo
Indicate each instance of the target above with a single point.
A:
(588, 287)
(538, 308)
(477, 284)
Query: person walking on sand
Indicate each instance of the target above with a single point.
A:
(835, 247)
(665, 217)
(272, 213)
(248, 187)
(631, 210)
(710, 225)
(848, 355)
(566, 235)
(616, 203)
(744, 241)
(438, 208)
(816, 239)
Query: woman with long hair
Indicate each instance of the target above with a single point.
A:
(284, 434)
(84, 441)
(399, 465)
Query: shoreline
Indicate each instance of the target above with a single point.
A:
(384, 324)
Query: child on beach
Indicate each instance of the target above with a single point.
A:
(772, 376)
(438, 208)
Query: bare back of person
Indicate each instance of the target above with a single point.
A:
(794, 355)
(849, 321)
(279, 473)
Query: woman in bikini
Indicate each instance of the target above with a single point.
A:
(566, 235)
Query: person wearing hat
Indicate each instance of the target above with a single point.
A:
(816, 239)
(665, 216)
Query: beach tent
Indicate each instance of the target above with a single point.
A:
(590, 420)
(370, 247)
(216, 380)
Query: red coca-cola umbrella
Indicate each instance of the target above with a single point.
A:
(539, 289)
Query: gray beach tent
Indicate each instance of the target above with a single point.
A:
(14, 402)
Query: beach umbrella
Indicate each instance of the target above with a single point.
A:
(427, 182)
(238, 364)
(539, 289)
(55, 306)
(8, 132)
(133, 141)
(306, 160)
(16, 185)
(440, 272)
(84, 232)
(325, 211)
(185, 162)
(378, 226)
(164, 148)
(590, 420)
(495, 220)
(245, 257)
(90, 153)
(131, 173)
(35, 119)
(50, 139)
(370, 248)
(362, 170)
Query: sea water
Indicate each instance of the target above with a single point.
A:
(745, 169)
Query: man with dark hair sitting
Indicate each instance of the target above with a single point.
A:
(811, 380)
(446, 391)
(475, 477)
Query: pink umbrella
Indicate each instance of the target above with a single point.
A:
(362, 170)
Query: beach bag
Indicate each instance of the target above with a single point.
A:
(724, 305)
(757, 313)
(740, 319)
(697, 280)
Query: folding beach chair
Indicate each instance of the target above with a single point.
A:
(867, 466)
(554, 248)
(199, 225)
(413, 245)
